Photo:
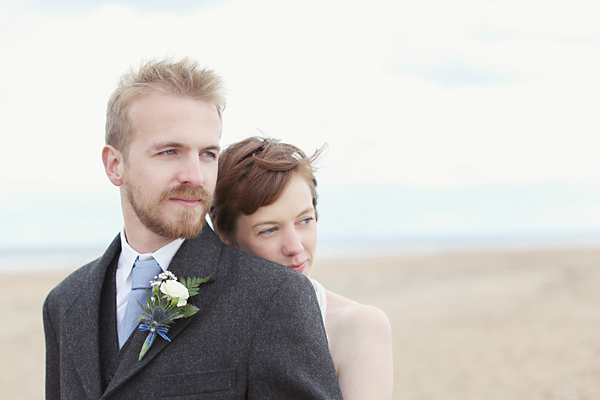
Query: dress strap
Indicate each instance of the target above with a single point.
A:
(321, 298)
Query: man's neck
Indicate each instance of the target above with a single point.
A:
(139, 237)
(144, 241)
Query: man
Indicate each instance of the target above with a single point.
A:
(254, 336)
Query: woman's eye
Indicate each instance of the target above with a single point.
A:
(267, 231)
(306, 221)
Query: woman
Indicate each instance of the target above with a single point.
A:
(265, 204)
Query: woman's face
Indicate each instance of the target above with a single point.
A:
(284, 232)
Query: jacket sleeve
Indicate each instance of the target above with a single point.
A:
(290, 358)
(52, 356)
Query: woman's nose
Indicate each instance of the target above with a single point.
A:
(293, 244)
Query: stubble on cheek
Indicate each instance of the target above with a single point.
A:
(176, 223)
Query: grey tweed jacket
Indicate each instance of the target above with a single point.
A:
(258, 334)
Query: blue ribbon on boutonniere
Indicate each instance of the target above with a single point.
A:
(161, 330)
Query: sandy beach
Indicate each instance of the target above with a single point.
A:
(469, 325)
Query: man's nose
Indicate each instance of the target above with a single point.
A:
(191, 172)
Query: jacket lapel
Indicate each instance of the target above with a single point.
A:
(195, 258)
(81, 324)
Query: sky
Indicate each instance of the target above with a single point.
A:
(464, 118)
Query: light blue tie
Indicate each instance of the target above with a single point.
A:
(142, 273)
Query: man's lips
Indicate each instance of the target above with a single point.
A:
(187, 202)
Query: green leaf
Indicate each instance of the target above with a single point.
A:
(192, 284)
(187, 311)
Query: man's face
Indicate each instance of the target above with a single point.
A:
(171, 170)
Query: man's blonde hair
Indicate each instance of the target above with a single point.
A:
(182, 78)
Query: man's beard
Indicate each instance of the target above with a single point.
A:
(187, 223)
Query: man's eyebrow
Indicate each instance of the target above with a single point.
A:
(162, 145)
(177, 145)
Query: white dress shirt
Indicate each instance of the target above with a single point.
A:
(128, 255)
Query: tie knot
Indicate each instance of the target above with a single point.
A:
(143, 272)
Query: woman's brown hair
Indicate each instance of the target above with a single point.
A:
(254, 173)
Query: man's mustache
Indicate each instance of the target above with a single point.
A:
(196, 192)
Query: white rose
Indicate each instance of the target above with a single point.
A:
(175, 290)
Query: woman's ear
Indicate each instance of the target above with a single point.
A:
(225, 239)
(113, 164)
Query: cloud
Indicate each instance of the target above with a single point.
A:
(452, 73)
(74, 7)
(427, 94)
(404, 92)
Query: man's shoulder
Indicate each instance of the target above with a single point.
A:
(255, 270)
(254, 264)
(74, 281)
(84, 275)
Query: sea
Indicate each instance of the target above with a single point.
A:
(61, 258)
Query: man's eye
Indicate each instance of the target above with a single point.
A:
(210, 154)
(306, 221)
(168, 152)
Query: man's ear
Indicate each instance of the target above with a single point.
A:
(113, 164)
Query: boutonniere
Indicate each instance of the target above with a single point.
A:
(165, 303)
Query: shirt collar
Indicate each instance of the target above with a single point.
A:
(163, 256)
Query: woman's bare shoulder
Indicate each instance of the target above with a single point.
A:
(360, 340)
(350, 316)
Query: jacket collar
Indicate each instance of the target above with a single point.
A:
(82, 322)
(197, 257)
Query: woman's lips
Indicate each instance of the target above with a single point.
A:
(299, 267)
